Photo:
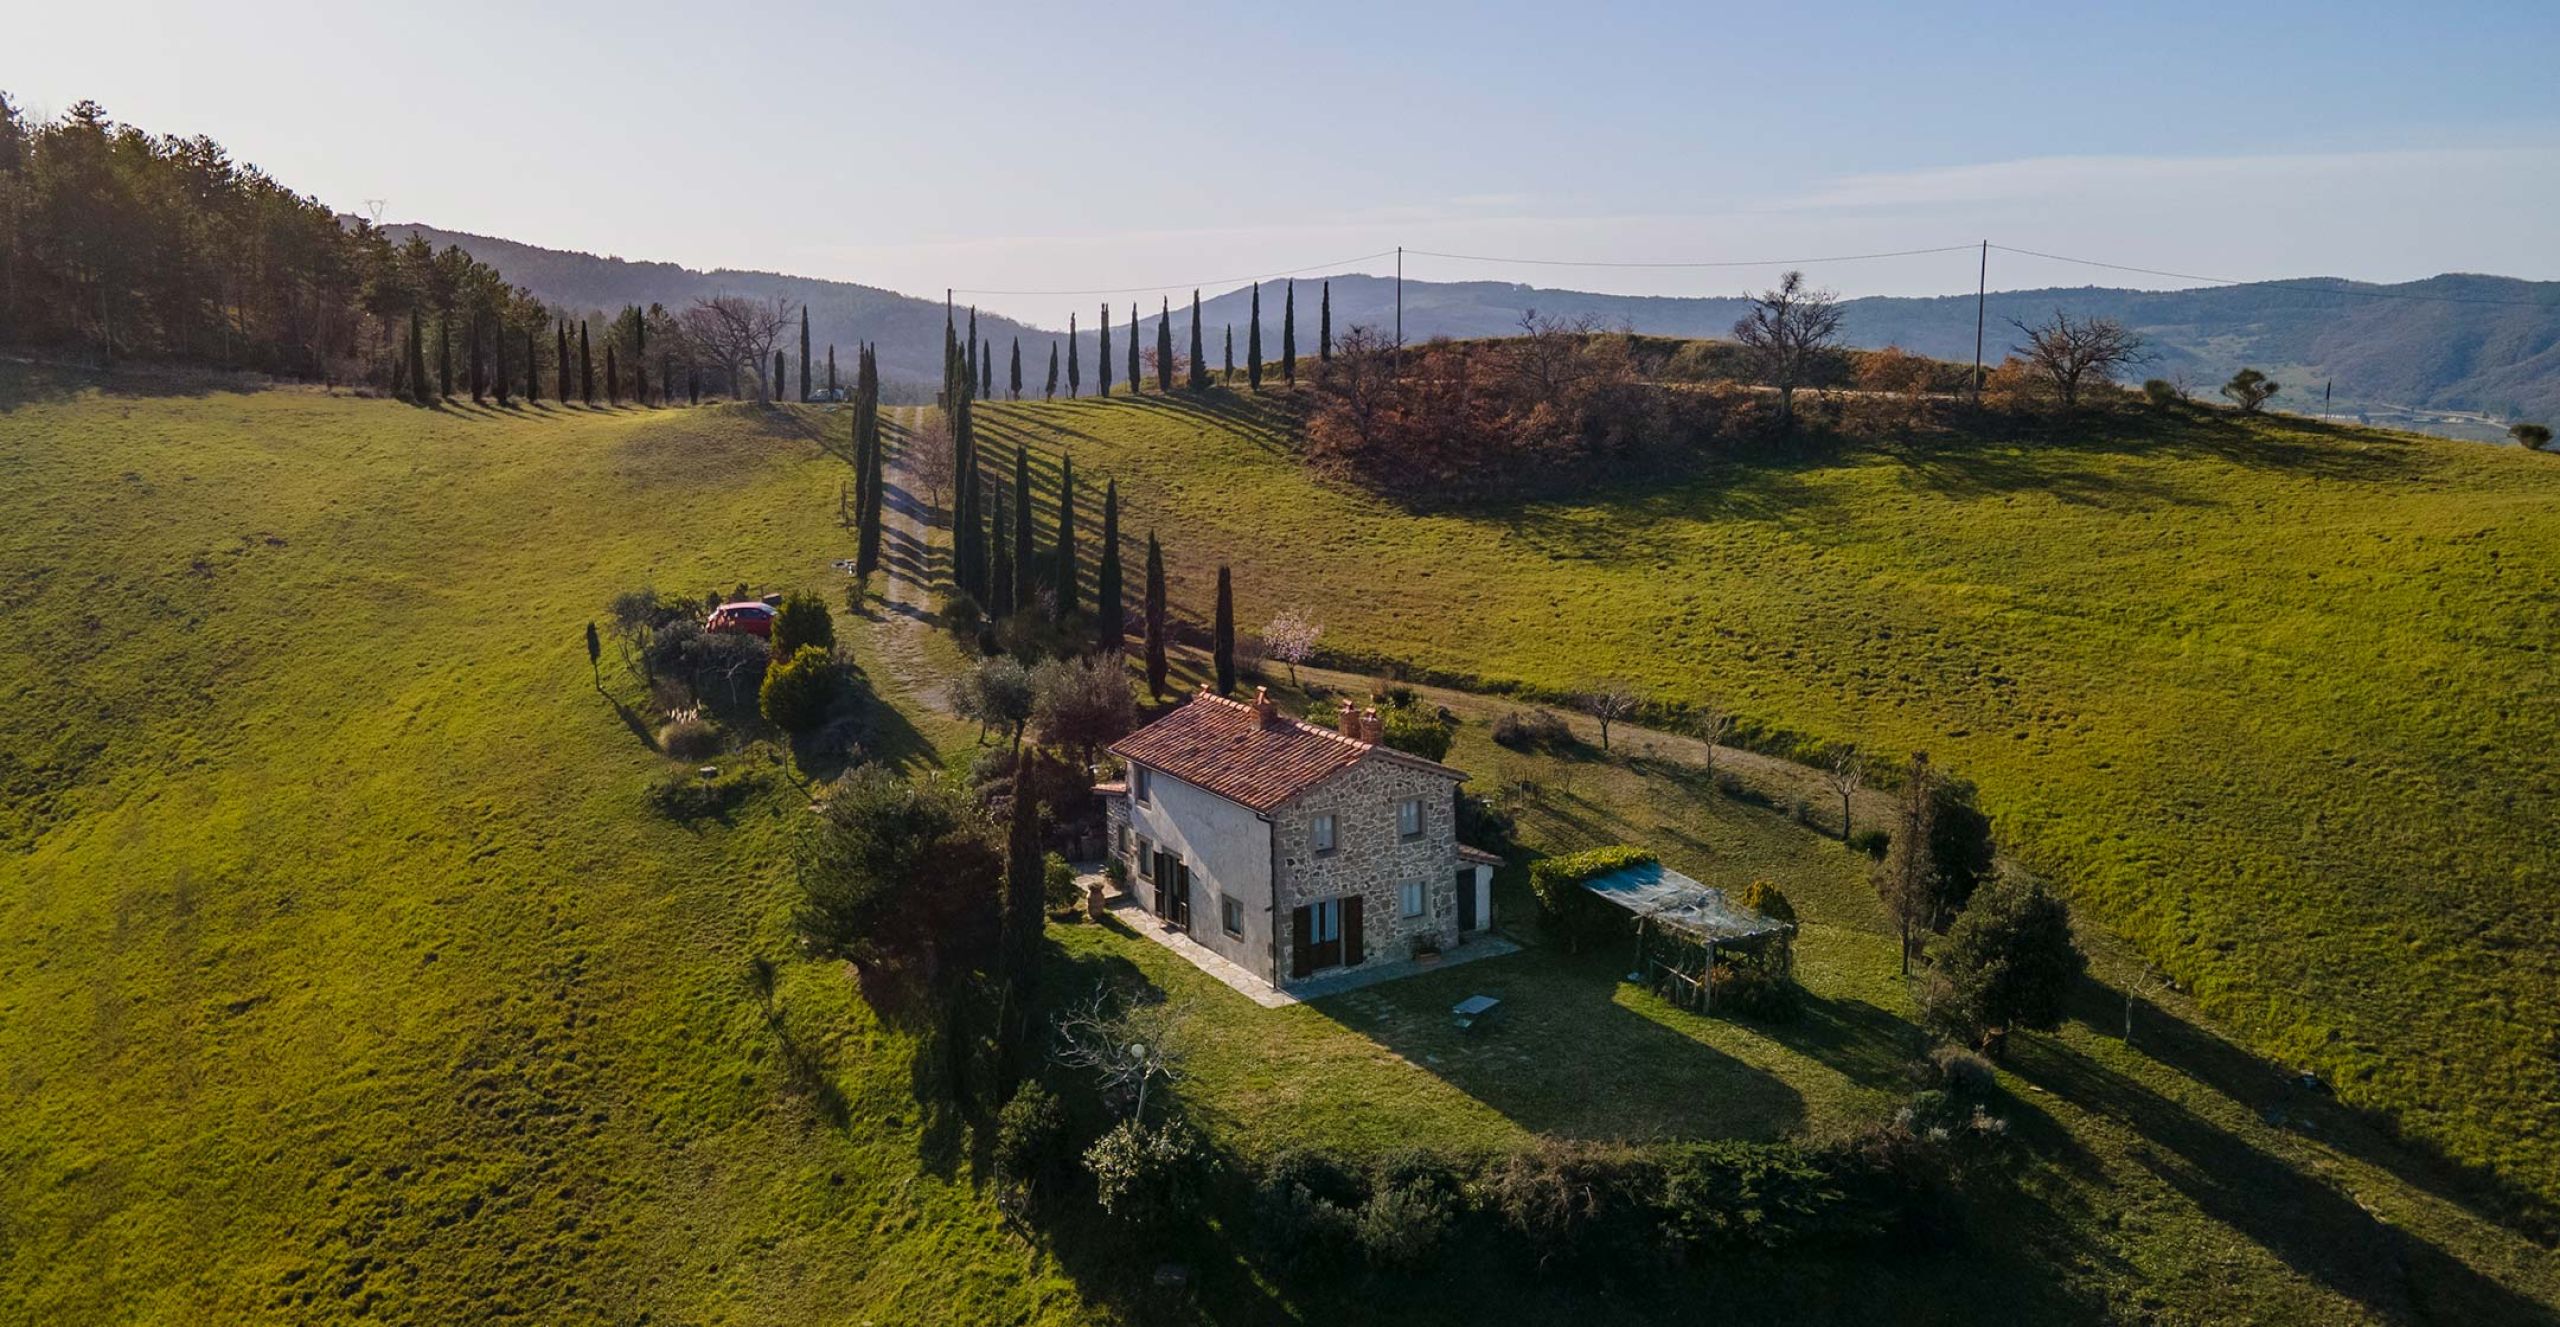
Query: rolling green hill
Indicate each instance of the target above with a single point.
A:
(2273, 700)
(343, 972)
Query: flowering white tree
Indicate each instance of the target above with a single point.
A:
(1291, 639)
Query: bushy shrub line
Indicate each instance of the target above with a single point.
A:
(1568, 910)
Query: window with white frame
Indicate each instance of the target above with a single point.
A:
(1231, 916)
(1410, 893)
(1146, 858)
(1409, 818)
(1322, 832)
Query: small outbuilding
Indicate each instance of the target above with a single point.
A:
(1682, 927)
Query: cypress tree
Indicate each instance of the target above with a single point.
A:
(804, 352)
(1016, 386)
(972, 365)
(562, 362)
(532, 372)
(1199, 360)
(417, 360)
(1164, 347)
(1000, 555)
(1133, 347)
(866, 419)
(1222, 638)
(861, 471)
(1064, 579)
(1253, 341)
(1050, 392)
(1289, 333)
(586, 367)
(831, 368)
(780, 383)
(1324, 326)
(478, 365)
(1075, 376)
(612, 377)
(1156, 624)
(1024, 565)
(1109, 623)
(444, 356)
(498, 385)
(1231, 354)
(1102, 352)
(639, 355)
(987, 373)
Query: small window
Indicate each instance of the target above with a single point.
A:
(1140, 774)
(1323, 833)
(1412, 898)
(1324, 921)
(1409, 818)
(1231, 916)
(1146, 858)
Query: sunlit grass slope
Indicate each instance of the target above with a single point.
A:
(342, 972)
(2276, 701)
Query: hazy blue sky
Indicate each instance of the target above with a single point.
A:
(1065, 146)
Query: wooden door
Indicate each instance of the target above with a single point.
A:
(1466, 898)
(1351, 950)
(1301, 954)
(1181, 913)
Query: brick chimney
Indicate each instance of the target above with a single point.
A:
(1348, 724)
(1263, 709)
(1371, 730)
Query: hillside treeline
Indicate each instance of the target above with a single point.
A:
(119, 243)
(127, 243)
(1563, 404)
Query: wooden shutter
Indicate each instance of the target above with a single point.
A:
(1351, 952)
(1300, 921)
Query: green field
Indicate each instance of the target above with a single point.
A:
(344, 973)
(2276, 701)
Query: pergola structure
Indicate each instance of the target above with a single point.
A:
(1681, 925)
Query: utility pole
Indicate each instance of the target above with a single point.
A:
(1399, 295)
(1981, 288)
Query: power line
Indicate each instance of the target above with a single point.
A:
(1731, 262)
(1162, 287)
(2287, 285)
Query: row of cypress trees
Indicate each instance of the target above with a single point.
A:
(975, 363)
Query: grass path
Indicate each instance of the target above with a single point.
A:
(907, 642)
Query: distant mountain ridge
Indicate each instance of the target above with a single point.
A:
(2454, 342)
(907, 329)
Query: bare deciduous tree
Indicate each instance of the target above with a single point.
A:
(741, 333)
(1714, 722)
(927, 454)
(1609, 700)
(1129, 1047)
(1291, 638)
(2071, 353)
(1361, 379)
(1845, 769)
(1787, 331)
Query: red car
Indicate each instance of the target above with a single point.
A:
(746, 617)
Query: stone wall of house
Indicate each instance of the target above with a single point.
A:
(1370, 858)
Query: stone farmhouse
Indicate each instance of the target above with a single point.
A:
(1290, 849)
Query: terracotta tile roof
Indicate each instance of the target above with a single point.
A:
(1478, 855)
(1226, 747)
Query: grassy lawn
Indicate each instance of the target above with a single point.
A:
(342, 971)
(344, 974)
(2273, 701)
